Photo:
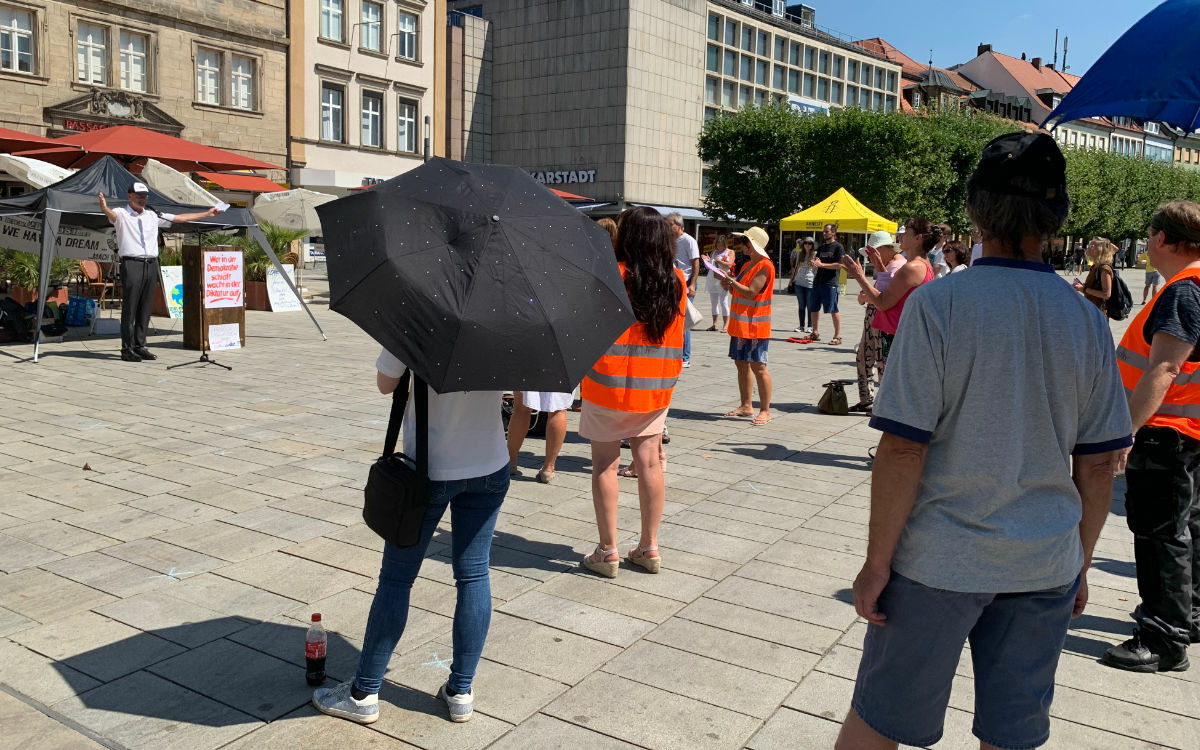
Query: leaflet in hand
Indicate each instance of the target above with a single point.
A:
(714, 269)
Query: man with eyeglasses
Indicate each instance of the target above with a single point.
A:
(137, 244)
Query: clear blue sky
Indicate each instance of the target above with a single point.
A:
(954, 29)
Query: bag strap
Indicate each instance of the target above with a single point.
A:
(399, 404)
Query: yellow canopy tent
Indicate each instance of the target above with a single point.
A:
(842, 209)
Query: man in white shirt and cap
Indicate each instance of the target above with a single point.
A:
(137, 245)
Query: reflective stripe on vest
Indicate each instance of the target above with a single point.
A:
(1180, 408)
(635, 374)
(750, 317)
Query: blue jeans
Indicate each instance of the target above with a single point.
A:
(802, 293)
(474, 506)
(687, 341)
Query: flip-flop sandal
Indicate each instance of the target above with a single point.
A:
(736, 414)
(758, 422)
(627, 471)
(835, 341)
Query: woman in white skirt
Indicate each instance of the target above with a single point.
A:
(524, 404)
(722, 257)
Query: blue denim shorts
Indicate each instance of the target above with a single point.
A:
(823, 296)
(748, 350)
(908, 663)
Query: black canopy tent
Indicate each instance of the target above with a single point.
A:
(74, 202)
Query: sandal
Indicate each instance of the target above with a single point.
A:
(637, 556)
(597, 562)
(739, 413)
(627, 471)
(861, 406)
(711, 328)
(815, 336)
(835, 340)
(760, 421)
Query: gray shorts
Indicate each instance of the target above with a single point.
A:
(1153, 277)
(907, 665)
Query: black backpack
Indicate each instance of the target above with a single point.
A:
(15, 320)
(1120, 301)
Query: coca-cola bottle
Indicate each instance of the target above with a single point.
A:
(314, 651)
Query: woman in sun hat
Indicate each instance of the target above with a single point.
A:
(750, 323)
(870, 346)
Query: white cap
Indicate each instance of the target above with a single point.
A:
(139, 187)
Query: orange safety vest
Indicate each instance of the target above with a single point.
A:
(1180, 408)
(636, 374)
(750, 317)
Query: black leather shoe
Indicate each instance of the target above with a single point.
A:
(144, 353)
(1135, 655)
(129, 356)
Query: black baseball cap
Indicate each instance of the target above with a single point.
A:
(1025, 164)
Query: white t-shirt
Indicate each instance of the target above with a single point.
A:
(466, 433)
(137, 234)
(686, 250)
(937, 259)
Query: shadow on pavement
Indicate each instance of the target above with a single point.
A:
(517, 552)
(216, 672)
(1116, 567)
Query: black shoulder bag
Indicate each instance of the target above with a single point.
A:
(397, 491)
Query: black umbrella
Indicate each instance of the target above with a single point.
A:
(477, 277)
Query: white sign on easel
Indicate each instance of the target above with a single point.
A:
(172, 289)
(279, 293)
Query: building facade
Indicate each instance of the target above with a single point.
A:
(211, 71)
(363, 89)
(607, 99)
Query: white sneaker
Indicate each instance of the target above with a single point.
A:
(337, 701)
(799, 330)
(687, 363)
(461, 705)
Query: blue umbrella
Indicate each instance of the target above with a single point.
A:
(1149, 73)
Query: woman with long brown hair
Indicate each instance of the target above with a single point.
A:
(628, 391)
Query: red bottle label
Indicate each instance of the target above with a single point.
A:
(314, 650)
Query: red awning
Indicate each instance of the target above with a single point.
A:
(250, 183)
(128, 144)
(568, 196)
(15, 140)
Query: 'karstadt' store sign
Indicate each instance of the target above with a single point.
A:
(564, 177)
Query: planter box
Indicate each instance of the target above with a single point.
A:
(24, 295)
(256, 296)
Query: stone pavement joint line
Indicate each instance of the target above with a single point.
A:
(160, 599)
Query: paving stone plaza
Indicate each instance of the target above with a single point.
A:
(165, 535)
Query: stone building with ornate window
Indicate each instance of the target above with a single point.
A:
(362, 85)
(208, 71)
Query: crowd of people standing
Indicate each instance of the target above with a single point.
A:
(976, 535)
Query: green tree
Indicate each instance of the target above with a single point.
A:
(755, 161)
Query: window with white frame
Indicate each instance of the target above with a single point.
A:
(16, 40)
(372, 119)
(407, 37)
(406, 119)
(91, 54)
(241, 83)
(331, 20)
(372, 18)
(332, 112)
(208, 76)
(1151, 127)
(133, 61)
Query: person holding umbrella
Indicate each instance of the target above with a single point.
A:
(629, 389)
(472, 484)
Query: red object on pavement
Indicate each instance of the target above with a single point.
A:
(130, 144)
(795, 340)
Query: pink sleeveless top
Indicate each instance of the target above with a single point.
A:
(888, 320)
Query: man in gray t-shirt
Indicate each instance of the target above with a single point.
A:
(1002, 413)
